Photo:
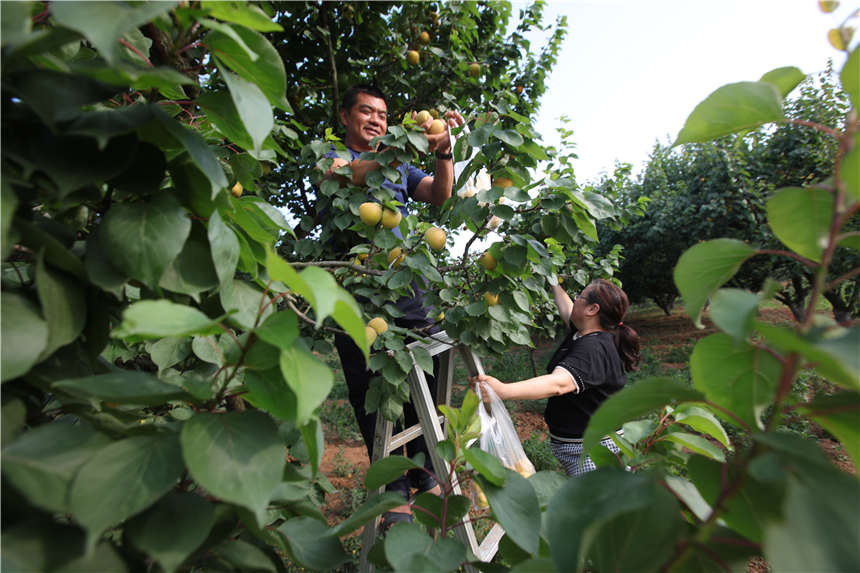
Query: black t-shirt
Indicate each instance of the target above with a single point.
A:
(595, 365)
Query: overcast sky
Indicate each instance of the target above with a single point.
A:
(631, 71)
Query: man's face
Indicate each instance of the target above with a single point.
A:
(367, 119)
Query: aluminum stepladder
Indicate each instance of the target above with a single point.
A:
(431, 426)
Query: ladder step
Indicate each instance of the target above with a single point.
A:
(401, 438)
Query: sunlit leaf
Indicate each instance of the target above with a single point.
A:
(159, 318)
(801, 219)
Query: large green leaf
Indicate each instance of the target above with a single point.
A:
(704, 267)
(159, 318)
(17, 22)
(849, 171)
(42, 462)
(832, 351)
(104, 125)
(268, 391)
(702, 421)
(57, 96)
(734, 312)
(386, 470)
(739, 377)
(819, 531)
(237, 457)
(839, 414)
(172, 529)
(192, 272)
(24, 334)
(850, 77)
(640, 540)
(632, 403)
(696, 444)
(785, 79)
(141, 239)
(122, 387)
(249, 15)
(63, 306)
(376, 505)
(801, 219)
(312, 543)
(224, 246)
(582, 508)
(732, 108)
(486, 464)
(252, 106)
(266, 70)
(516, 508)
(124, 478)
(310, 379)
(243, 556)
(105, 23)
(408, 548)
(247, 304)
(280, 329)
(8, 205)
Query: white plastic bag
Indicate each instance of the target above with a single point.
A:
(499, 437)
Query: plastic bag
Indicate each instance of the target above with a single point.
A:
(499, 437)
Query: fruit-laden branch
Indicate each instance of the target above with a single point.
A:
(335, 264)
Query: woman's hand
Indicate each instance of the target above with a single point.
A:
(497, 385)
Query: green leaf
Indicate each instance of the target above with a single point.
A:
(104, 125)
(516, 509)
(599, 497)
(849, 173)
(58, 97)
(141, 239)
(243, 555)
(56, 254)
(124, 478)
(192, 272)
(704, 267)
(8, 205)
(24, 334)
(169, 351)
(374, 506)
(819, 529)
(734, 312)
(850, 77)
(105, 24)
(417, 139)
(641, 540)
(696, 444)
(801, 219)
(122, 387)
(632, 403)
(702, 421)
(266, 70)
(486, 464)
(249, 16)
(409, 548)
(224, 248)
(247, 304)
(785, 79)
(838, 414)
(739, 377)
(509, 136)
(833, 352)
(423, 359)
(237, 456)
(431, 516)
(42, 462)
(268, 391)
(312, 544)
(63, 306)
(687, 492)
(279, 329)
(387, 470)
(17, 23)
(732, 108)
(198, 150)
(172, 529)
(310, 379)
(252, 106)
(159, 318)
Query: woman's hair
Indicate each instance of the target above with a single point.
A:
(613, 304)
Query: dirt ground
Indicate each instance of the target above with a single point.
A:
(345, 460)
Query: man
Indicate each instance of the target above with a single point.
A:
(364, 114)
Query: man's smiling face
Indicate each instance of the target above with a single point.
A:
(367, 119)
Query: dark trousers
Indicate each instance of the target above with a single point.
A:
(358, 382)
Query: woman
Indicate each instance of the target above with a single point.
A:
(586, 369)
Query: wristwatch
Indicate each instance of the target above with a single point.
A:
(444, 156)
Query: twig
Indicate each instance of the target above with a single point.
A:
(125, 43)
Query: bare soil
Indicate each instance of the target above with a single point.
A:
(345, 461)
